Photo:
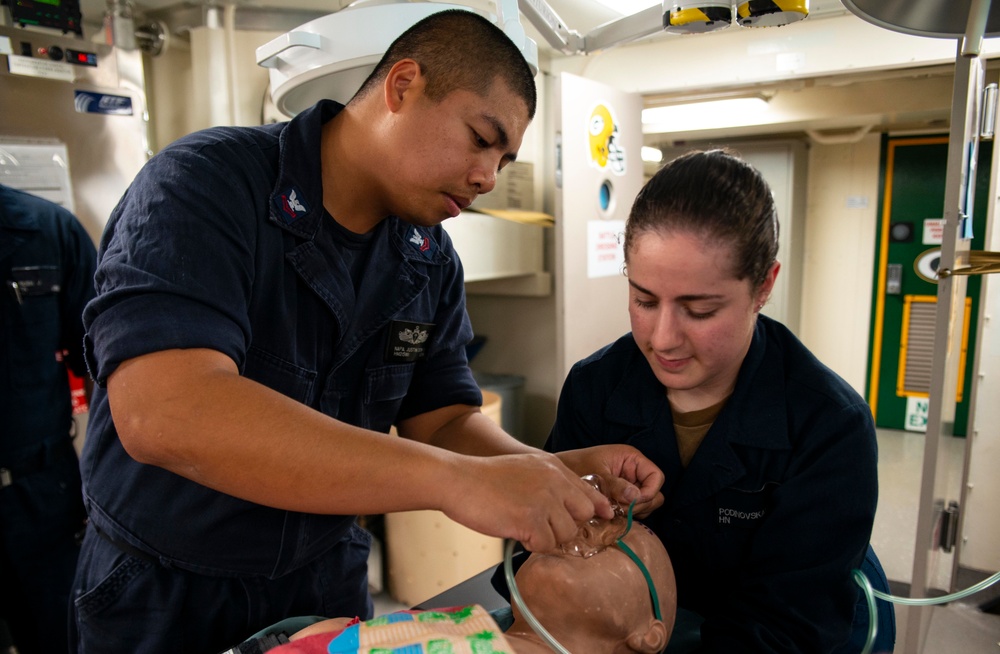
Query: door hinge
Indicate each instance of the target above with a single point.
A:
(948, 525)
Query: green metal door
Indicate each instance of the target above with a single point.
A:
(911, 200)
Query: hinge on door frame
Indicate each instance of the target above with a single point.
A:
(987, 127)
(947, 525)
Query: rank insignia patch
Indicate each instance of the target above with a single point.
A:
(421, 242)
(290, 204)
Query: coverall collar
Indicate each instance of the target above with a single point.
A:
(640, 400)
(297, 197)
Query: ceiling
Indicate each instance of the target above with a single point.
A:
(830, 105)
(581, 15)
(578, 15)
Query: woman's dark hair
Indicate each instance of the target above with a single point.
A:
(458, 49)
(714, 195)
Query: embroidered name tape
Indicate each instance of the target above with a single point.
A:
(30, 281)
(743, 508)
(408, 341)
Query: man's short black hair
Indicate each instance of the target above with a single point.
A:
(458, 49)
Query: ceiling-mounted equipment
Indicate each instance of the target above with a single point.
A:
(331, 57)
(770, 13)
(932, 18)
(697, 16)
(700, 16)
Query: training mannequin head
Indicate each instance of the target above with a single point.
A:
(600, 602)
(595, 604)
(590, 594)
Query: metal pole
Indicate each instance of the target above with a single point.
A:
(962, 149)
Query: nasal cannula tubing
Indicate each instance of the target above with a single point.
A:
(515, 594)
(871, 594)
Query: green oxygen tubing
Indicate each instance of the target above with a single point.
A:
(515, 594)
(871, 594)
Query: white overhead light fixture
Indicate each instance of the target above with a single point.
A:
(330, 57)
(651, 155)
(704, 114)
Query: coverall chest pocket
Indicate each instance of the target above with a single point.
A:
(283, 376)
(32, 325)
(737, 514)
(385, 388)
(36, 291)
(744, 509)
(719, 529)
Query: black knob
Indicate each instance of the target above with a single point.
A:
(55, 53)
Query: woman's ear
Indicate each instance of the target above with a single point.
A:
(769, 280)
(768, 285)
(652, 641)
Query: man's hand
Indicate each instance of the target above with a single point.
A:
(629, 474)
(531, 498)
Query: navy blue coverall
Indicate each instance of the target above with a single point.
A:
(47, 268)
(775, 510)
(222, 242)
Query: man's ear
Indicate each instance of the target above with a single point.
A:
(403, 77)
(652, 641)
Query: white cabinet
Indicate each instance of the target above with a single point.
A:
(496, 248)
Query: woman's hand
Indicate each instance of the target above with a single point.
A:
(629, 474)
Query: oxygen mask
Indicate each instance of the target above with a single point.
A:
(597, 534)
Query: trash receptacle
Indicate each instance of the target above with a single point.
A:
(428, 553)
(510, 388)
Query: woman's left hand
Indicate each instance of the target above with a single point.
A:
(629, 474)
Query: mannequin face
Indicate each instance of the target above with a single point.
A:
(596, 534)
(602, 599)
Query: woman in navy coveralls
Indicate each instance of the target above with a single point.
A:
(769, 456)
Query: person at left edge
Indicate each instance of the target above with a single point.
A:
(270, 301)
(47, 265)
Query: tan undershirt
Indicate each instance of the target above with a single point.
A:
(691, 428)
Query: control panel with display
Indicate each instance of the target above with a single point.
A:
(58, 14)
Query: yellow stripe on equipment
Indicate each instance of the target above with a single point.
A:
(770, 13)
(697, 17)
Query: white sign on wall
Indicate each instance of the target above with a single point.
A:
(933, 231)
(605, 256)
(916, 414)
(41, 169)
(34, 67)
